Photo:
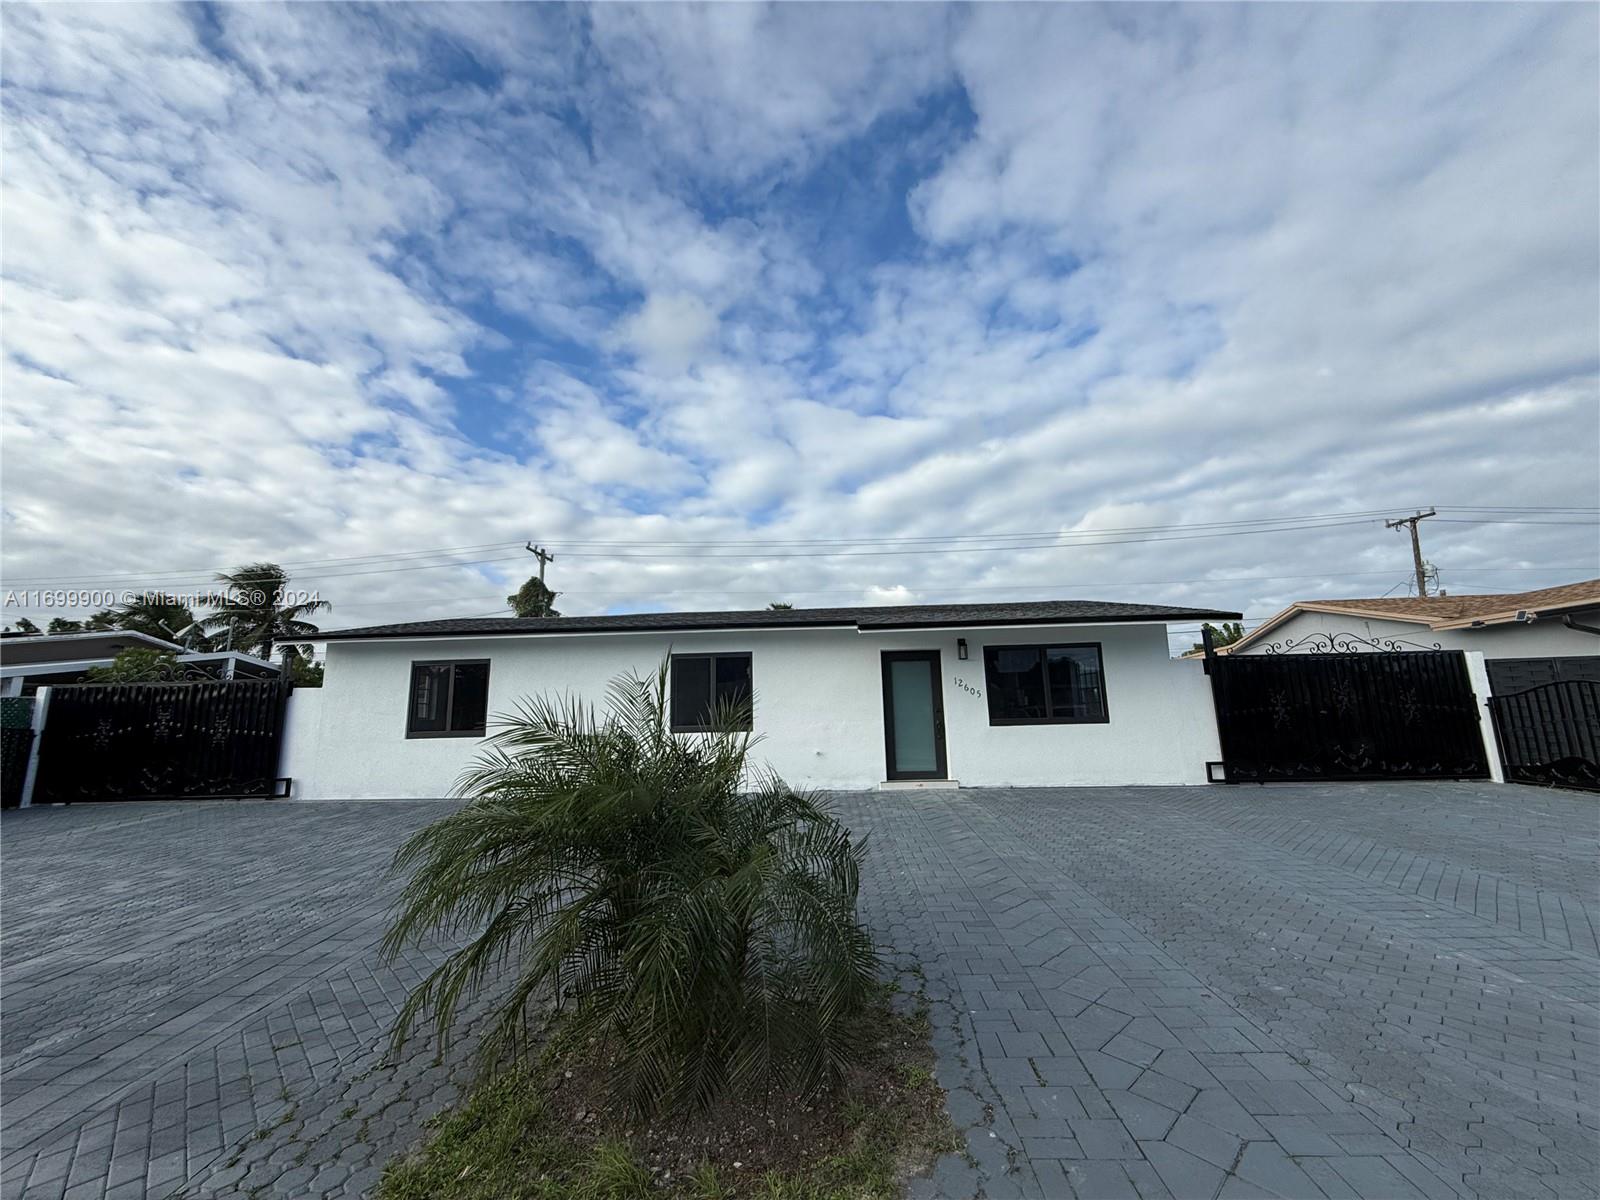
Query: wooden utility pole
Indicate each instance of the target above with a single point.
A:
(543, 555)
(1416, 546)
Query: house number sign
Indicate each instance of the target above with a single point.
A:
(966, 687)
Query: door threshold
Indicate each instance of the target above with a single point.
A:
(912, 785)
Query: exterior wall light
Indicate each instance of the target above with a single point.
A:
(961, 649)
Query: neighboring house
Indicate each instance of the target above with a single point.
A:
(1527, 639)
(29, 661)
(1056, 692)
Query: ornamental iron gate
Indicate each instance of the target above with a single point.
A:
(1550, 734)
(1324, 716)
(147, 741)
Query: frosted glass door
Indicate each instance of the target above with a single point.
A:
(914, 714)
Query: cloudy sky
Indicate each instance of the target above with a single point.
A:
(727, 305)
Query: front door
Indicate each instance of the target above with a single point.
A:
(913, 714)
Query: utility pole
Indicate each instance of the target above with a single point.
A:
(543, 555)
(1416, 546)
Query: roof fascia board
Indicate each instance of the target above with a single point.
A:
(1266, 627)
(1509, 616)
(549, 633)
(1169, 618)
(58, 667)
(893, 627)
(85, 635)
(1370, 614)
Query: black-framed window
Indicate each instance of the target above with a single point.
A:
(448, 699)
(704, 685)
(1045, 685)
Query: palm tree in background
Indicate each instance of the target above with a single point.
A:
(251, 613)
(162, 616)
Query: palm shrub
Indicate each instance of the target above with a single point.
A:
(693, 914)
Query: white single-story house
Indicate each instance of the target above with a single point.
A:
(1067, 692)
(1526, 638)
(29, 661)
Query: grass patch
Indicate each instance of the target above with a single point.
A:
(548, 1133)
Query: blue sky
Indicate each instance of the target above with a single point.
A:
(316, 282)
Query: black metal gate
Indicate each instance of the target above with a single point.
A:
(16, 739)
(1550, 734)
(1383, 715)
(145, 741)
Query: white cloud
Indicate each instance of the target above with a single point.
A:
(669, 330)
(312, 297)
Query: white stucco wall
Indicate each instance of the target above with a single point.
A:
(1538, 639)
(302, 735)
(818, 707)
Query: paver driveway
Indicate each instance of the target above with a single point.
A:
(1377, 991)
(192, 999)
(1363, 990)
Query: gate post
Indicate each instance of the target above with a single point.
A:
(41, 706)
(1478, 674)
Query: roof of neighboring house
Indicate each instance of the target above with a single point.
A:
(903, 616)
(1445, 612)
(70, 647)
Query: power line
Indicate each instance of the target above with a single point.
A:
(995, 587)
(196, 572)
(1076, 584)
(863, 540)
(704, 542)
(956, 537)
(929, 544)
(175, 578)
(1056, 545)
(156, 581)
(868, 539)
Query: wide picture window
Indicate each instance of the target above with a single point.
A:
(448, 699)
(1045, 685)
(707, 688)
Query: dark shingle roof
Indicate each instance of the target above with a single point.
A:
(1040, 612)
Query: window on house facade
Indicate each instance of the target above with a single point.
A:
(448, 699)
(706, 685)
(1045, 685)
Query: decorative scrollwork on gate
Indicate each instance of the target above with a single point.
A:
(1410, 706)
(1345, 643)
(1280, 709)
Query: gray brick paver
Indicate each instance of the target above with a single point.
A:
(1310, 974)
(1368, 991)
(184, 997)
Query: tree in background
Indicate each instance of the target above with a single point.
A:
(1225, 634)
(102, 620)
(161, 616)
(304, 673)
(780, 606)
(533, 599)
(251, 614)
(140, 665)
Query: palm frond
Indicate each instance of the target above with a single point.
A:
(697, 914)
